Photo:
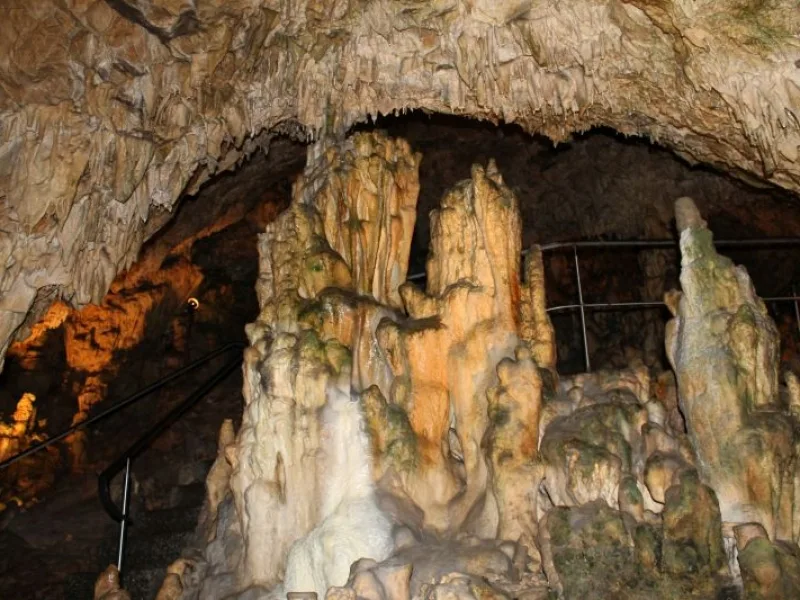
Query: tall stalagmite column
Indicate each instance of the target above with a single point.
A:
(371, 403)
(724, 349)
(327, 265)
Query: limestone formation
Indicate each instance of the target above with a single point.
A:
(724, 350)
(692, 528)
(111, 110)
(17, 434)
(305, 367)
(219, 477)
(443, 361)
(769, 569)
(368, 399)
(22, 481)
(93, 335)
(400, 442)
(107, 586)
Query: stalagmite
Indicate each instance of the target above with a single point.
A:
(112, 110)
(403, 442)
(724, 349)
(364, 391)
(302, 463)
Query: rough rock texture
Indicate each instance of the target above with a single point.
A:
(465, 568)
(300, 422)
(400, 442)
(769, 569)
(724, 350)
(111, 110)
(444, 360)
(21, 482)
(362, 389)
(107, 586)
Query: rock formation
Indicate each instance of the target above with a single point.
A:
(368, 399)
(724, 349)
(22, 481)
(313, 350)
(111, 110)
(403, 442)
(107, 586)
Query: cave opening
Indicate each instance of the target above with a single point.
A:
(599, 186)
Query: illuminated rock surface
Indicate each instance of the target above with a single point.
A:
(402, 442)
(426, 430)
(724, 349)
(112, 109)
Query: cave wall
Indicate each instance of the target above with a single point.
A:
(110, 110)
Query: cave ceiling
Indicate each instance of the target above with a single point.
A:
(111, 110)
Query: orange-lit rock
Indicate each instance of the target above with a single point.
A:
(96, 333)
(28, 477)
(19, 432)
(444, 360)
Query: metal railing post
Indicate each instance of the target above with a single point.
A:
(123, 524)
(583, 310)
(796, 306)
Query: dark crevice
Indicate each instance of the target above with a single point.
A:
(186, 24)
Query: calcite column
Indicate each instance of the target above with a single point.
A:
(444, 360)
(536, 330)
(447, 380)
(330, 268)
(514, 410)
(724, 349)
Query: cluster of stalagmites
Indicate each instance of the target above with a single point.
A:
(403, 442)
(112, 109)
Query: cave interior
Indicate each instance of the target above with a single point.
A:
(193, 289)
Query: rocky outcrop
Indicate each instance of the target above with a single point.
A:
(111, 110)
(724, 349)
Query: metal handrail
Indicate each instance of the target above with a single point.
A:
(125, 460)
(144, 442)
(672, 244)
(128, 401)
(667, 244)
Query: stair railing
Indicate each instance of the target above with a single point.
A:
(125, 460)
